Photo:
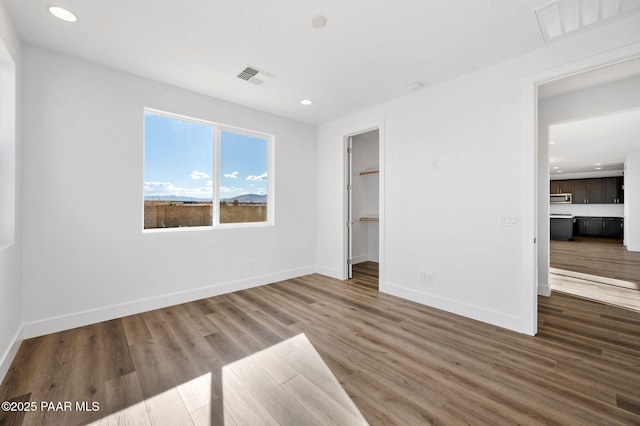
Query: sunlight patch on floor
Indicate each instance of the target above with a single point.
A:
(287, 383)
(611, 294)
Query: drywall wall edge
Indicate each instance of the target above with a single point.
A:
(10, 353)
(544, 289)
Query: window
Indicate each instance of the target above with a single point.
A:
(200, 174)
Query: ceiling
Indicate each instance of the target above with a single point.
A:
(370, 51)
(607, 139)
(580, 144)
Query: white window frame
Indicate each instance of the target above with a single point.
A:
(215, 214)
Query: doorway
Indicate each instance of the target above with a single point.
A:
(575, 114)
(363, 200)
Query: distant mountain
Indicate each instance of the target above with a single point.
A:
(247, 198)
(176, 198)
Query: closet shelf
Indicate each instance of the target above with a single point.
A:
(369, 219)
(369, 172)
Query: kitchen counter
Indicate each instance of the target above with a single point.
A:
(561, 216)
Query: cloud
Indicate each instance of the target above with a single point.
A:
(167, 188)
(156, 187)
(229, 189)
(261, 177)
(199, 175)
(233, 175)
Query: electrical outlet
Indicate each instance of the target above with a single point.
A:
(425, 277)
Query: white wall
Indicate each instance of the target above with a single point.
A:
(632, 202)
(86, 258)
(10, 192)
(365, 196)
(595, 101)
(447, 220)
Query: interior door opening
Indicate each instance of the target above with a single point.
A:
(363, 205)
(582, 251)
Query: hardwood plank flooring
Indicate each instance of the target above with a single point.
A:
(316, 350)
(599, 269)
(596, 289)
(603, 257)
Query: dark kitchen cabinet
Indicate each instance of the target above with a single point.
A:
(607, 190)
(595, 191)
(561, 229)
(588, 226)
(579, 195)
(612, 227)
(561, 187)
(594, 227)
(613, 192)
(588, 191)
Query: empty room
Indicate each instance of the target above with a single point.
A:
(233, 213)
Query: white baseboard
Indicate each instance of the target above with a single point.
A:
(544, 290)
(329, 272)
(633, 248)
(360, 259)
(499, 319)
(10, 353)
(79, 319)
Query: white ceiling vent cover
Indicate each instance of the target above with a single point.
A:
(564, 16)
(254, 75)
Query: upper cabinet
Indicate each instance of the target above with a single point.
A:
(613, 192)
(590, 191)
(561, 187)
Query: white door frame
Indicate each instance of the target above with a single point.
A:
(534, 197)
(363, 128)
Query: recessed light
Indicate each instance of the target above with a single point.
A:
(555, 167)
(598, 168)
(318, 21)
(62, 13)
(598, 164)
(559, 171)
(306, 102)
(552, 142)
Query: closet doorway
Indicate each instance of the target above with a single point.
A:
(363, 201)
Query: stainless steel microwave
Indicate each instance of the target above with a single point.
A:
(560, 198)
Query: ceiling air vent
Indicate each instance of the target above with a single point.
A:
(564, 16)
(254, 75)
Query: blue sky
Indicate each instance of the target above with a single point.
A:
(178, 160)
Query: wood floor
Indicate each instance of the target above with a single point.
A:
(604, 257)
(315, 350)
(599, 269)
